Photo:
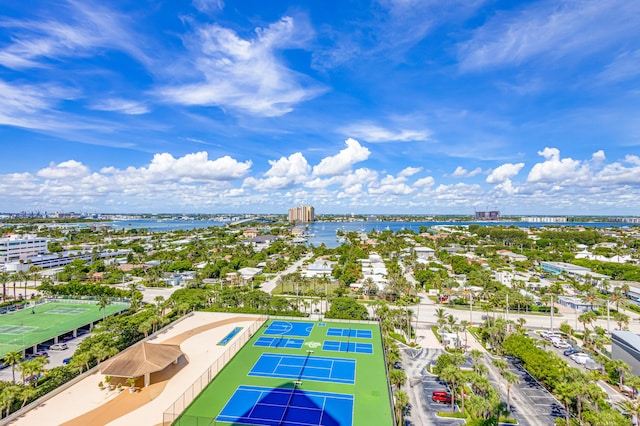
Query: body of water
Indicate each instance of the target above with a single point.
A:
(162, 225)
(326, 232)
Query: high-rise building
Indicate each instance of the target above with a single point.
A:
(302, 214)
(489, 215)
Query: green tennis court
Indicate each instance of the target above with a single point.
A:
(24, 328)
(298, 386)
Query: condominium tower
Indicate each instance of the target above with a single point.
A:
(301, 214)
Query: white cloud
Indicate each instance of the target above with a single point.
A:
(208, 6)
(373, 133)
(461, 172)
(194, 167)
(245, 75)
(549, 30)
(284, 172)
(410, 171)
(504, 172)
(86, 27)
(66, 170)
(121, 105)
(342, 162)
(554, 169)
(426, 182)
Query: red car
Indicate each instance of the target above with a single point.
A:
(441, 396)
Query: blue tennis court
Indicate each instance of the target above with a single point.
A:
(360, 348)
(279, 342)
(301, 367)
(349, 332)
(286, 328)
(254, 405)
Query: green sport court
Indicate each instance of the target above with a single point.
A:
(22, 329)
(287, 375)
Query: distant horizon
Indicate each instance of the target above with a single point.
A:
(354, 214)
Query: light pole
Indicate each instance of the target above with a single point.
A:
(552, 312)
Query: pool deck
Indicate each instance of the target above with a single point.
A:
(84, 403)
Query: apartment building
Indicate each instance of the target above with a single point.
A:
(302, 214)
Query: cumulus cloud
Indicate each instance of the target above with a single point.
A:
(342, 162)
(189, 168)
(245, 75)
(410, 171)
(66, 170)
(504, 172)
(461, 172)
(554, 169)
(426, 182)
(283, 173)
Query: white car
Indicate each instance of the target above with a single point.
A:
(58, 347)
(581, 359)
(561, 344)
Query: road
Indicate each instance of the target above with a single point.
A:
(269, 285)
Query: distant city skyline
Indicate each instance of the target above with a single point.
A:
(371, 107)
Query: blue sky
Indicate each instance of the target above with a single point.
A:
(389, 106)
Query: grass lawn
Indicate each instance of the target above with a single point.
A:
(352, 390)
(22, 329)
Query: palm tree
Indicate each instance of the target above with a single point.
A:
(464, 324)
(12, 359)
(564, 392)
(631, 407)
(7, 396)
(103, 303)
(451, 375)
(27, 393)
(402, 401)
(621, 367)
(4, 279)
(397, 378)
(510, 379)
(441, 316)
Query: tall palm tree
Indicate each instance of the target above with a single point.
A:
(451, 375)
(402, 401)
(103, 303)
(441, 315)
(13, 358)
(565, 392)
(4, 279)
(510, 379)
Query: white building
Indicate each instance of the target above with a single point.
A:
(16, 247)
(424, 253)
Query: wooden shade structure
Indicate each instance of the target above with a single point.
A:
(141, 360)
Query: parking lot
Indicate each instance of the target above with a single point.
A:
(56, 358)
(421, 385)
(541, 407)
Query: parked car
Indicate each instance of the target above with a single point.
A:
(441, 396)
(58, 347)
(66, 361)
(561, 344)
(39, 354)
(397, 365)
(571, 352)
